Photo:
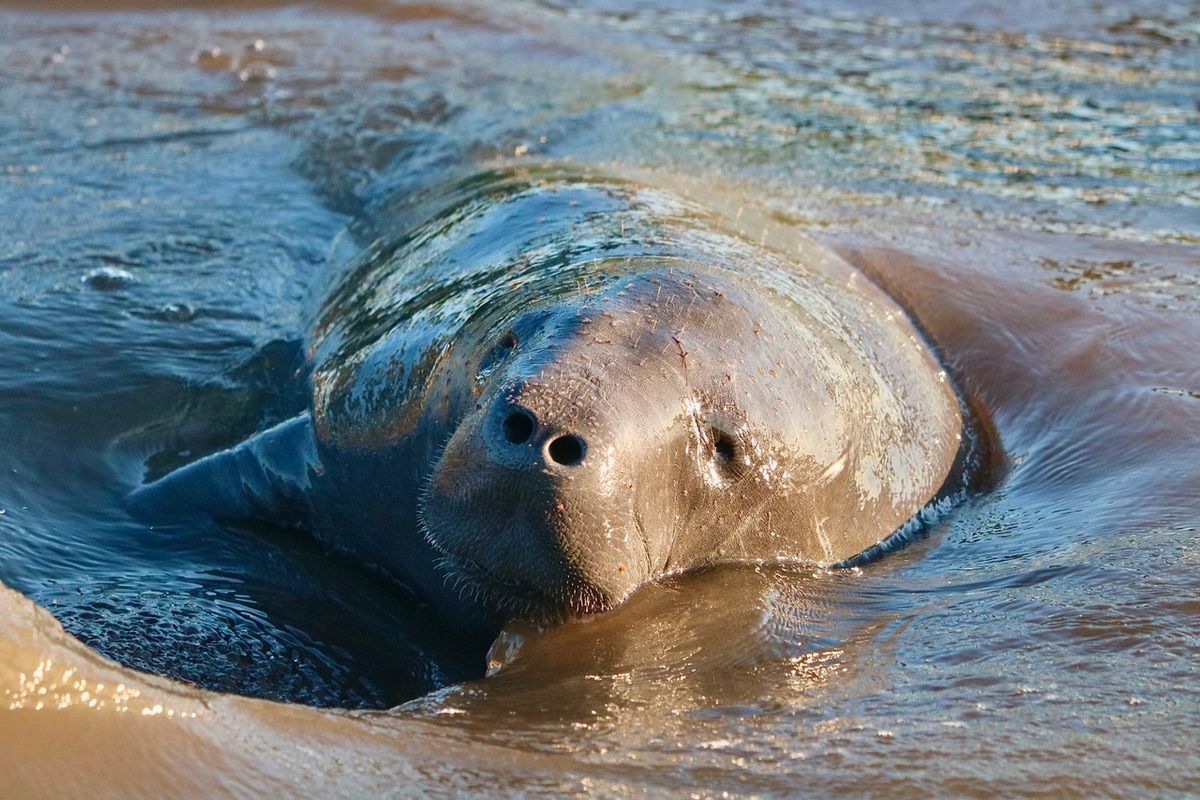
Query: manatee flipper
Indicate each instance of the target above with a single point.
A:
(267, 477)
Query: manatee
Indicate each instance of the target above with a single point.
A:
(534, 389)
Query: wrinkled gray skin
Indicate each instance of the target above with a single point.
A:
(533, 391)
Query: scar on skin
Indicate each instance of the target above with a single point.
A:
(682, 353)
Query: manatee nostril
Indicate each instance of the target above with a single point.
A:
(724, 447)
(518, 427)
(567, 450)
(728, 456)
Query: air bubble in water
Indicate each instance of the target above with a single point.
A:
(178, 312)
(257, 72)
(59, 56)
(213, 59)
(107, 279)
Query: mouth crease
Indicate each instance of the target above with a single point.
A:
(641, 529)
(486, 579)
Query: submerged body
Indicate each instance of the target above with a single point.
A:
(582, 384)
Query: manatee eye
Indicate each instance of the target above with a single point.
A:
(501, 350)
(728, 456)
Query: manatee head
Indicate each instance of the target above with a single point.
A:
(669, 421)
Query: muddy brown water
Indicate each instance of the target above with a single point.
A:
(1024, 178)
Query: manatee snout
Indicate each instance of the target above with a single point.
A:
(602, 426)
(528, 505)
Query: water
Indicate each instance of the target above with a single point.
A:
(1024, 179)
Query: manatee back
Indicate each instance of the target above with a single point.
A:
(458, 260)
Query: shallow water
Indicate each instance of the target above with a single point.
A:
(1025, 180)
